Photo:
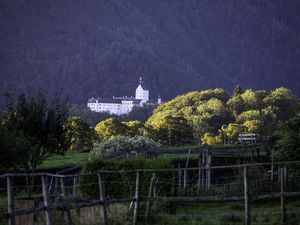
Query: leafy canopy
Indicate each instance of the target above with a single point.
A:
(39, 125)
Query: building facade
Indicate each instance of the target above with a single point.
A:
(120, 105)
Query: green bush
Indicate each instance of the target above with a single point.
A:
(123, 144)
(122, 185)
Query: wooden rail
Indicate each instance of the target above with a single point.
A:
(103, 201)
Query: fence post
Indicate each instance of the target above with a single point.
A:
(64, 193)
(208, 172)
(179, 176)
(46, 200)
(74, 186)
(148, 207)
(137, 199)
(10, 201)
(102, 198)
(203, 181)
(63, 187)
(246, 196)
(282, 200)
(185, 173)
(199, 175)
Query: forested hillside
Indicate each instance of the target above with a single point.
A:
(100, 48)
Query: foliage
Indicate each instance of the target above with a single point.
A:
(79, 134)
(135, 127)
(289, 140)
(38, 124)
(123, 144)
(253, 126)
(110, 128)
(249, 115)
(233, 130)
(138, 113)
(249, 111)
(211, 139)
(285, 101)
(13, 148)
(88, 116)
(103, 52)
(125, 185)
(236, 105)
(171, 131)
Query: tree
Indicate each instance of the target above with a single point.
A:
(40, 125)
(236, 105)
(135, 127)
(13, 149)
(79, 134)
(173, 131)
(249, 115)
(212, 115)
(237, 90)
(211, 139)
(254, 127)
(289, 140)
(124, 144)
(284, 100)
(87, 115)
(233, 130)
(110, 128)
(138, 113)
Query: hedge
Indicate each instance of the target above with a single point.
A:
(122, 185)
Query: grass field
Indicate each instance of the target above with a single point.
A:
(81, 158)
(227, 214)
(69, 159)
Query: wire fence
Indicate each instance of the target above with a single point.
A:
(140, 196)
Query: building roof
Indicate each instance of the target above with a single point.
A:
(114, 100)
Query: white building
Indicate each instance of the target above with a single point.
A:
(120, 105)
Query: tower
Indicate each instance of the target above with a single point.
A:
(141, 92)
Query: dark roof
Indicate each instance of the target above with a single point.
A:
(115, 100)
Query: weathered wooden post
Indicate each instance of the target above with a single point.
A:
(10, 201)
(179, 177)
(272, 166)
(208, 171)
(199, 175)
(65, 195)
(102, 198)
(185, 174)
(282, 199)
(74, 186)
(148, 207)
(46, 198)
(63, 187)
(203, 182)
(137, 199)
(246, 196)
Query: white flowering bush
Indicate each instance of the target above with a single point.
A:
(123, 144)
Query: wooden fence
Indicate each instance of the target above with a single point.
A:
(276, 173)
(239, 151)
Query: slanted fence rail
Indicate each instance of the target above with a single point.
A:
(234, 183)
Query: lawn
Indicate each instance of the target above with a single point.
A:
(227, 214)
(69, 159)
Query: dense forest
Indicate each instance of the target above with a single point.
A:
(213, 113)
(100, 48)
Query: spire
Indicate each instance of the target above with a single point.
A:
(140, 80)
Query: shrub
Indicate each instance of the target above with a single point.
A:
(123, 144)
(211, 139)
(123, 184)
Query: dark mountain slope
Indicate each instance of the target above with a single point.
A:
(100, 48)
